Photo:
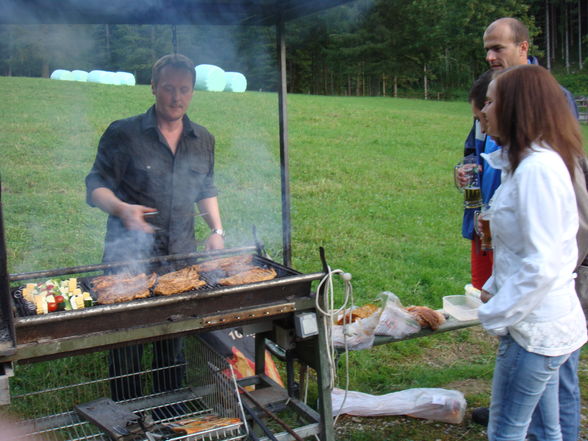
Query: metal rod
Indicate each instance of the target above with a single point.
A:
(156, 212)
(7, 346)
(284, 167)
(174, 39)
(260, 423)
(103, 266)
(290, 380)
(271, 414)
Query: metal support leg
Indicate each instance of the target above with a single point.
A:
(260, 353)
(6, 372)
(323, 382)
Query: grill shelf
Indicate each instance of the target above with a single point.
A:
(210, 389)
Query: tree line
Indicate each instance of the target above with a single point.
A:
(430, 48)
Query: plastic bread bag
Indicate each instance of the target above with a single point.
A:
(395, 321)
(435, 404)
(357, 335)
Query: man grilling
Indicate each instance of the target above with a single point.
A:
(149, 171)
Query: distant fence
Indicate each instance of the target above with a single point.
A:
(582, 104)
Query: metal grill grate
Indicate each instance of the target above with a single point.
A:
(44, 394)
(25, 308)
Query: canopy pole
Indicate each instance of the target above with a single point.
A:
(7, 329)
(174, 39)
(283, 124)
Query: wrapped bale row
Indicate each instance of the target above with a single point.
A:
(208, 77)
(213, 79)
(95, 76)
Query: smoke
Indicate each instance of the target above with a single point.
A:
(250, 197)
(133, 248)
(58, 223)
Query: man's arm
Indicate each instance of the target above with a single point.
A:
(213, 219)
(132, 216)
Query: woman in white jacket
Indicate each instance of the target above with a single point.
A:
(531, 301)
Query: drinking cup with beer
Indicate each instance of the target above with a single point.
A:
(482, 227)
(466, 175)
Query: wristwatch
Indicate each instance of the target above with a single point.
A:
(218, 231)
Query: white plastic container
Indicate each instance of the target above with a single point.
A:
(463, 308)
(471, 291)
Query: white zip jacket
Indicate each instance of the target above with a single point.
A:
(534, 221)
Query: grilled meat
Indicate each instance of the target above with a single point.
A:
(230, 265)
(119, 288)
(185, 279)
(362, 312)
(201, 424)
(426, 317)
(252, 275)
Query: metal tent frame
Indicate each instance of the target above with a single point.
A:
(184, 12)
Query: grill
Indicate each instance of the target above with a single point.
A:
(210, 306)
(60, 360)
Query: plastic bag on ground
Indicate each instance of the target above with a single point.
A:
(435, 404)
(395, 321)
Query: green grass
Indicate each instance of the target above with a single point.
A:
(371, 181)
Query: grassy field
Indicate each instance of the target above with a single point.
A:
(371, 181)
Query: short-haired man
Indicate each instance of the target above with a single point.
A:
(506, 42)
(157, 161)
(159, 164)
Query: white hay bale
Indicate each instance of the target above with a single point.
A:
(79, 75)
(97, 76)
(210, 78)
(111, 78)
(61, 74)
(125, 78)
(103, 77)
(235, 82)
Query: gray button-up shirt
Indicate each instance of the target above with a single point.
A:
(135, 162)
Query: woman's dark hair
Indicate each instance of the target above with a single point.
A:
(176, 61)
(531, 107)
(478, 91)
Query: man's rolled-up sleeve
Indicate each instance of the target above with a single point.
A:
(208, 189)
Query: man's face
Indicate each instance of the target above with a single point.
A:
(173, 93)
(501, 50)
(489, 111)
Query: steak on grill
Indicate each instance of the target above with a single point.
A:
(185, 279)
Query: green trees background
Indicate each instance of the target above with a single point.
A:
(426, 48)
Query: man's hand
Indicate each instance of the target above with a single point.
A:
(485, 296)
(133, 217)
(462, 175)
(215, 242)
